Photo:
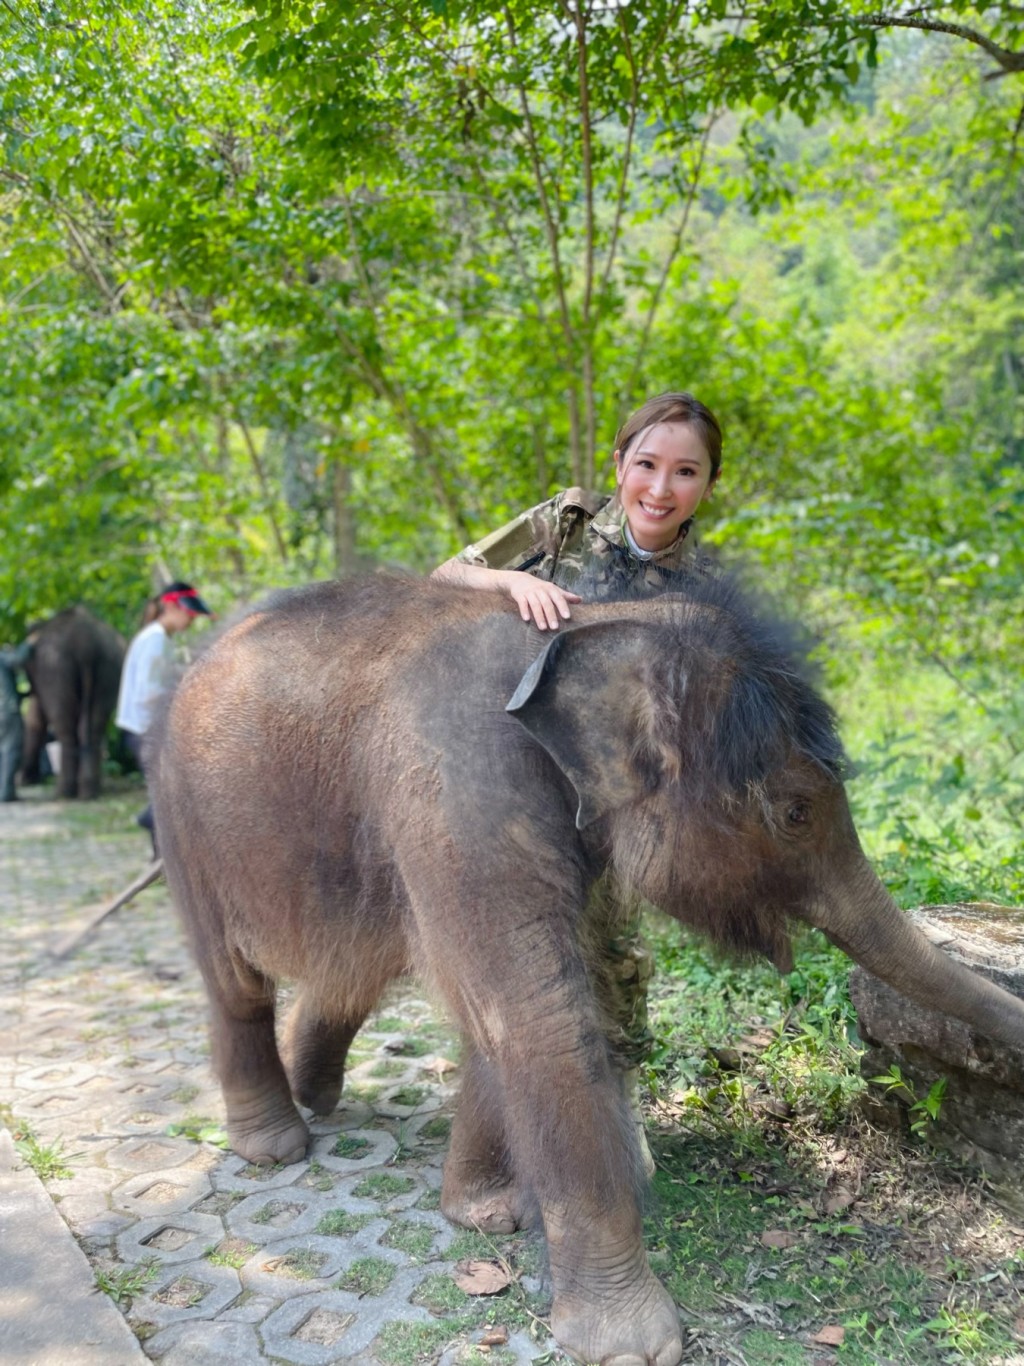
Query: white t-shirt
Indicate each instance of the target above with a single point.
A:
(144, 677)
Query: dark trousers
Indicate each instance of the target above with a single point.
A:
(136, 744)
(12, 735)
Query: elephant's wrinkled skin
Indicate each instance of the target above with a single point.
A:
(75, 671)
(360, 780)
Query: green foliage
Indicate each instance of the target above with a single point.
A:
(340, 1223)
(306, 314)
(739, 1217)
(47, 1160)
(924, 1110)
(383, 1186)
(347, 1146)
(123, 1283)
(199, 1130)
(367, 1276)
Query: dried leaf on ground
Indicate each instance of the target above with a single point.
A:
(779, 1237)
(840, 1199)
(494, 1337)
(830, 1336)
(481, 1277)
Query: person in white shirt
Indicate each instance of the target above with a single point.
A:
(147, 672)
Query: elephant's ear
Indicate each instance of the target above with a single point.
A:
(580, 699)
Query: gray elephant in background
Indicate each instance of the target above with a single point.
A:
(12, 729)
(75, 670)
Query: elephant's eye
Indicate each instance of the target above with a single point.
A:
(798, 813)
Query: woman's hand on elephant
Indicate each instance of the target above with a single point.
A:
(538, 601)
(543, 603)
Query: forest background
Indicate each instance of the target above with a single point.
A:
(297, 289)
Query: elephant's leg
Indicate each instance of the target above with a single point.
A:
(621, 967)
(573, 1137)
(263, 1124)
(35, 738)
(89, 764)
(480, 1189)
(67, 778)
(525, 997)
(92, 749)
(315, 1050)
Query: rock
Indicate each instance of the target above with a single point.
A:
(982, 1115)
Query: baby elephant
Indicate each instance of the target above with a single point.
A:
(361, 779)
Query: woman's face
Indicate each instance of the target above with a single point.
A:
(175, 618)
(662, 479)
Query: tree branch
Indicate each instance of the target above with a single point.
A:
(670, 257)
(261, 475)
(1008, 60)
(550, 225)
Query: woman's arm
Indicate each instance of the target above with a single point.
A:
(543, 603)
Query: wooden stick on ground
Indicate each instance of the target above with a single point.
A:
(71, 941)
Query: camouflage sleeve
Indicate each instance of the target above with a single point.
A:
(526, 538)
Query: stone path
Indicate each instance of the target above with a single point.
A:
(104, 1068)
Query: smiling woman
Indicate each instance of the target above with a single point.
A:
(661, 483)
(585, 546)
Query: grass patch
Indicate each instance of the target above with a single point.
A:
(48, 1160)
(346, 1146)
(301, 1264)
(436, 1129)
(339, 1223)
(440, 1295)
(123, 1283)
(366, 1094)
(403, 1344)
(317, 1177)
(415, 1240)
(384, 1186)
(719, 1198)
(233, 1252)
(367, 1276)
(467, 1244)
(388, 1068)
(410, 1095)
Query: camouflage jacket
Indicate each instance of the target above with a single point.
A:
(578, 540)
(12, 658)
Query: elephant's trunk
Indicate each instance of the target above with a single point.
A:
(871, 928)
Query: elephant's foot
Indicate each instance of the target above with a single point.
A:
(313, 1051)
(317, 1095)
(315, 1082)
(265, 1132)
(636, 1328)
(492, 1206)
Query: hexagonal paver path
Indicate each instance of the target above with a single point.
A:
(104, 1063)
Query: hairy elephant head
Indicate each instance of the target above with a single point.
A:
(694, 734)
